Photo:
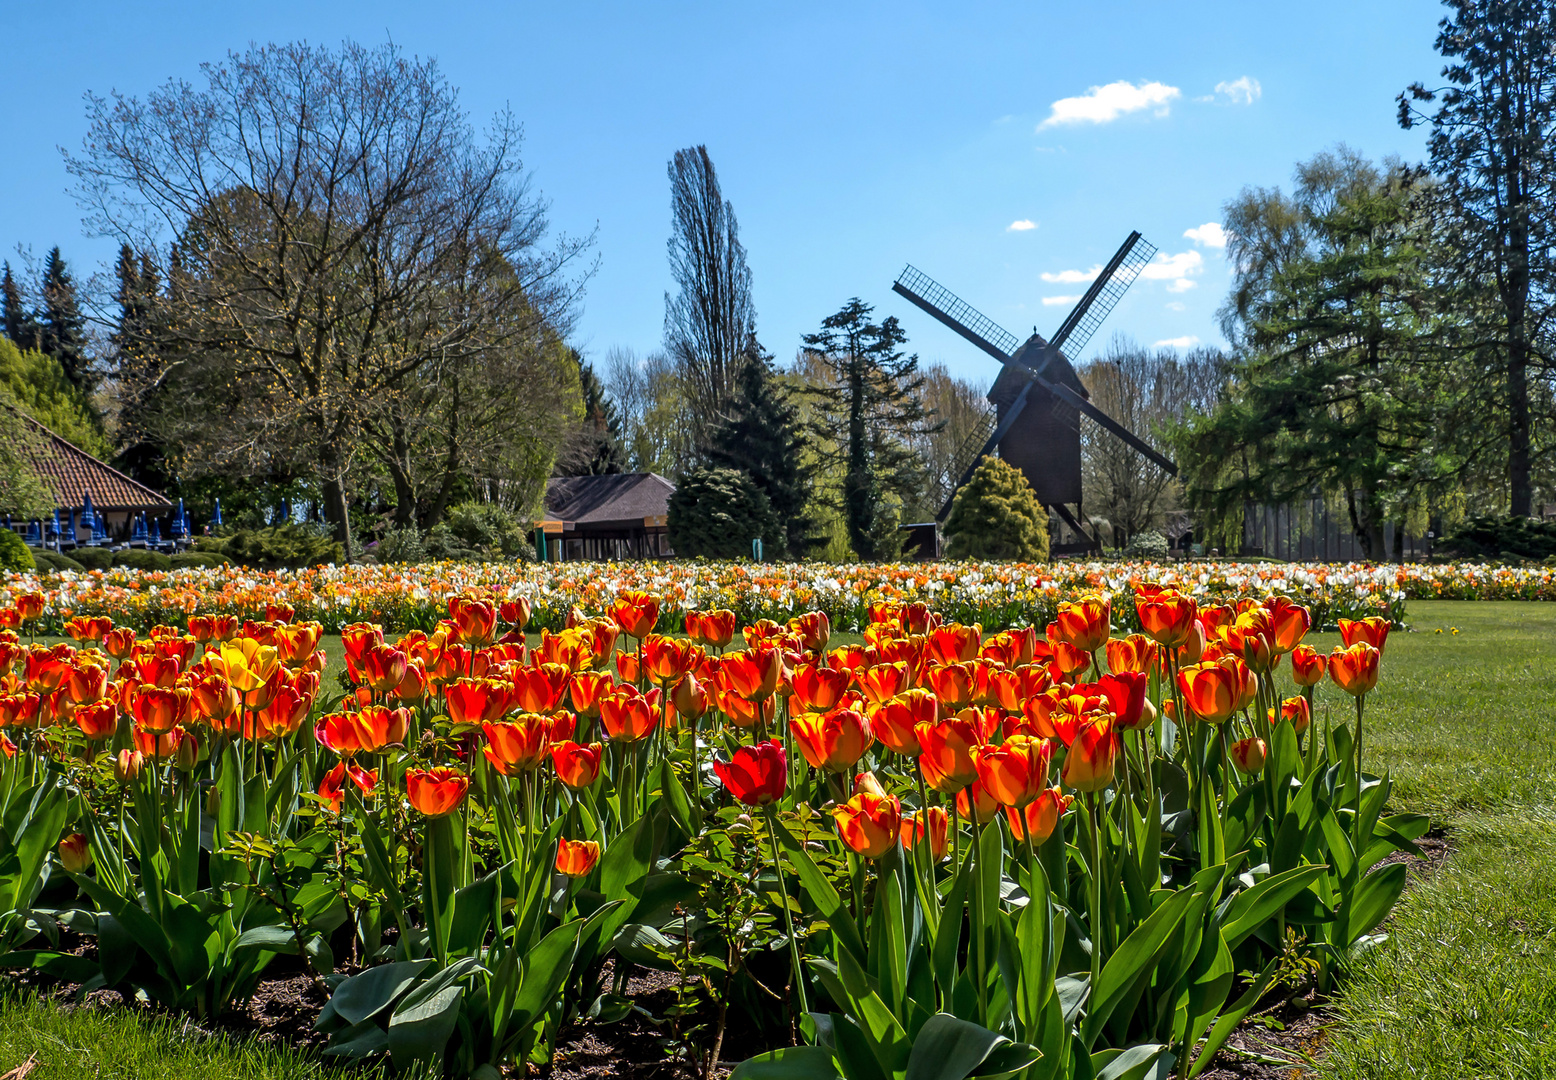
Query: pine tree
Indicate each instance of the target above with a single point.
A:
(64, 328)
(716, 513)
(136, 364)
(762, 436)
(600, 451)
(21, 326)
(996, 515)
(869, 406)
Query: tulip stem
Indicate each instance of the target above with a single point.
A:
(1092, 801)
(1357, 824)
(788, 916)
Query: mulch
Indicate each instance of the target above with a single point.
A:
(1278, 1041)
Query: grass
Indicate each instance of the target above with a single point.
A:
(1465, 986)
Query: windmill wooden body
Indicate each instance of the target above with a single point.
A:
(1037, 398)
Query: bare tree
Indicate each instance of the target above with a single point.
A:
(1146, 392)
(651, 401)
(959, 408)
(710, 320)
(338, 228)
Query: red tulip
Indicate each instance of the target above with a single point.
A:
(1307, 665)
(1354, 669)
(1088, 766)
(1015, 771)
(1373, 630)
(895, 722)
(834, 741)
(476, 701)
(636, 613)
(1040, 817)
(518, 746)
(576, 765)
(436, 792)
(576, 858)
(628, 715)
(756, 775)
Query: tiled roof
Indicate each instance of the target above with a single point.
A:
(72, 473)
(612, 497)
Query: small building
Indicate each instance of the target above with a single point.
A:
(73, 475)
(615, 516)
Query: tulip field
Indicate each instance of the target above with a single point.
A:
(1079, 847)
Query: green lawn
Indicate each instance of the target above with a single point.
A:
(1464, 988)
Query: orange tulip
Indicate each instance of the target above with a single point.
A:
(1211, 691)
(517, 746)
(74, 854)
(834, 741)
(743, 713)
(814, 629)
(636, 613)
(157, 744)
(869, 823)
(1354, 668)
(1015, 770)
(628, 715)
(213, 699)
(296, 642)
(576, 858)
(1289, 622)
(666, 659)
(119, 643)
(356, 639)
(946, 761)
(436, 792)
(756, 775)
(1040, 817)
(98, 720)
(1013, 687)
(383, 667)
(980, 803)
(818, 689)
(159, 710)
(1296, 710)
(540, 689)
(413, 687)
(753, 674)
(884, 681)
(953, 644)
(938, 824)
(1307, 665)
(953, 684)
(1070, 660)
(1133, 653)
(715, 629)
(1252, 637)
(476, 701)
(475, 621)
(1248, 755)
(577, 765)
(281, 613)
(586, 688)
(1166, 616)
(627, 666)
(895, 722)
(689, 697)
(86, 682)
(282, 715)
(86, 629)
(366, 731)
(1088, 766)
(1084, 623)
(29, 606)
(1373, 630)
(330, 790)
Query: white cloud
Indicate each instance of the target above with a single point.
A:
(1055, 301)
(1210, 234)
(1072, 277)
(1101, 104)
(1176, 270)
(1177, 306)
(1024, 225)
(1244, 91)
(1188, 341)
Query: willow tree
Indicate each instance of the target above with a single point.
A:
(338, 230)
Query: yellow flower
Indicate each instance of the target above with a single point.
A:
(249, 664)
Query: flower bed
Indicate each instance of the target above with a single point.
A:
(994, 595)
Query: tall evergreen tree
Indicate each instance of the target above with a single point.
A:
(868, 407)
(21, 325)
(599, 450)
(63, 326)
(763, 437)
(136, 365)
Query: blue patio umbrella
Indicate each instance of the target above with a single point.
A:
(216, 517)
(156, 530)
(88, 511)
(139, 531)
(180, 522)
(99, 527)
(56, 528)
(70, 524)
(34, 532)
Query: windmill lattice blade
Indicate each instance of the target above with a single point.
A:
(956, 313)
(1104, 294)
(964, 459)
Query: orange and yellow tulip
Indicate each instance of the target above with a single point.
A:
(575, 858)
(833, 741)
(1039, 817)
(869, 823)
(636, 613)
(1373, 630)
(577, 765)
(1354, 668)
(1307, 665)
(517, 746)
(1167, 617)
(931, 823)
(1088, 765)
(436, 792)
(1015, 771)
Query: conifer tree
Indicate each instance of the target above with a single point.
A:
(762, 436)
(21, 326)
(63, 327)
(868, 407)
(136, 364)
(599, 451)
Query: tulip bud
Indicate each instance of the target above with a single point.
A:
(1248, 755)
(128, 765)
(73, 853)
(213, 801)
(187, 754)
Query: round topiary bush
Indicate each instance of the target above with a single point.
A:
(55, 562)
(139, 559)
(203, 559)
(14, 553)
(716, 513)
(1146, 545)
(996, 515)
(93, 558)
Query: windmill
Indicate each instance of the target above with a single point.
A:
(1037, 398)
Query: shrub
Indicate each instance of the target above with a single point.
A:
(716, 513)
(1146, 545)
(203, 559)
(280, 547)
(1501, 537)
(55, 562)
(401, 546)
(93, 558)
(490, 528)
(14, 553)
(996, 515)
(139, 559)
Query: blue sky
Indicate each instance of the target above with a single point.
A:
(851, 137)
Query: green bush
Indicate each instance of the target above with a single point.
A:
(14, 552)
(203, 559)
(401, 546)
(1500, 537)
(141, 559)
(491, 529)
(1146, 545)
(280, 547)
(93, 558)
(996, 515)
(716, 513)
(54, 561)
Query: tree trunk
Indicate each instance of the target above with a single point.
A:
(338, 513)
